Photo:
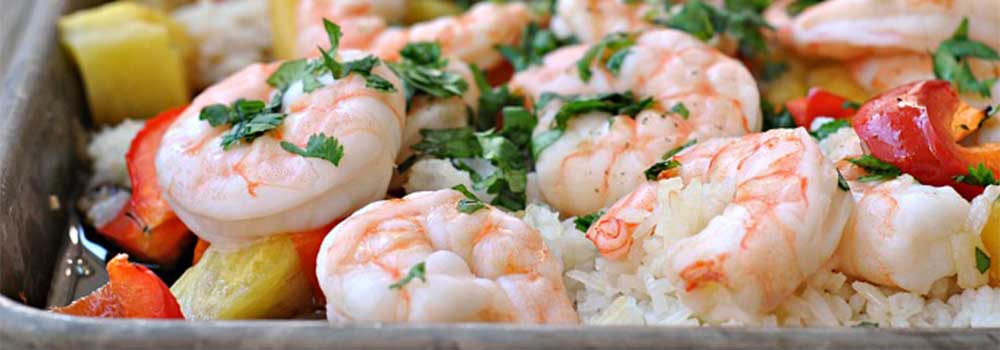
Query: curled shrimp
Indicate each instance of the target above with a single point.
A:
(428, 112)
(259, 189)
(768, 214)
(485, 265)
(595, 161)
(471, 37)
(590, 20)
(846, 29)
(901, 233)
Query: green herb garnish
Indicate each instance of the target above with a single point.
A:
(774, 118)
(675, 151)
(842, 182)
(470, 204)
(491, 101)
(797, 6)
(740, 20)
(422, 71)
(248, 119)
(653, 172)
(610, 52)
(951, 61)
(614, 103)
(583, 223)
(681, 109)
(978, 175)
(877, 169)
(319, 146)
(982, 261)
(417, 271)
(829, 128)
(535, 43)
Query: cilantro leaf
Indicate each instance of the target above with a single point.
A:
(535, 43)
(774, 118)
(470, 204)
(675, 151)
(982, 261)
(951, 61)
(978, 175)
(653, 172)
(681, 109)
(417, 271)
(422, 72)
(740, 20)
(842, 182)
(216, 114)
(583, 223)
(797, 6)
(491, 101)
(877, 169)
(615, 103)
(319, 146)
(610, 52)
(829, 128)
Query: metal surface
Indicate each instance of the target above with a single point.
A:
(41, 107)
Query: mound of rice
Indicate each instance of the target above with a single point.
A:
(229, 34)
(635, 292)
(107, 149)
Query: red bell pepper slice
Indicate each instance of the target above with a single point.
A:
(819, 103)
(914, 128)
(133, 291)
(146, 227)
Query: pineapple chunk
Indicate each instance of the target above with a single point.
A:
(991, 239)
(283, 27)
(425, 10)
(835, 78)
(263, 280)
(788, 86)
(132, 59)
(164, 4)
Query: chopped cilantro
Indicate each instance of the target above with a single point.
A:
(850, 105)
(774, 118)
(877, 169)
(249, 119)
(978, 175)
(422, 71)
(654, 171)
(797, 6)
(951, 61)
(675, 151)
(535, 43)
(470, 204)
(417, 271)
(610, 52)
(771, 70)
(740, 20)
(982, 261)
(829, 128)
(319, 146)
(583, 223)
(681, 109)
(491, 101)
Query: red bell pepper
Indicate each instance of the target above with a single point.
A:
(146, 227)
(133, 291)
(818, 103)
(916, 127)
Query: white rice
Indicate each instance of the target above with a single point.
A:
(229, 35)
(107, 149)
(432, 174)
(635, 292)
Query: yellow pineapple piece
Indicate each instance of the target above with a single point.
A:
(425, 10)
(991, 239)
(283, 29)
(132, 59)
(836, 78)
(263, 280)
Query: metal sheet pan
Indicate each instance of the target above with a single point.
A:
(41, 112)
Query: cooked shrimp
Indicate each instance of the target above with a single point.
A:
(774, 216)
(881, 73)
(483, 266)
(590, 20)
(901, 234)
(845, 29)
(596, 162)
(254, 190)
(472, 37)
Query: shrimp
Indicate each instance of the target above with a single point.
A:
(771, 214)
(844, 29)
(901, 233)
(881, 73)
(590, 20)
(471, 37)
(483, 266)
(427, 112)
(596, 162)
(230, 197)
